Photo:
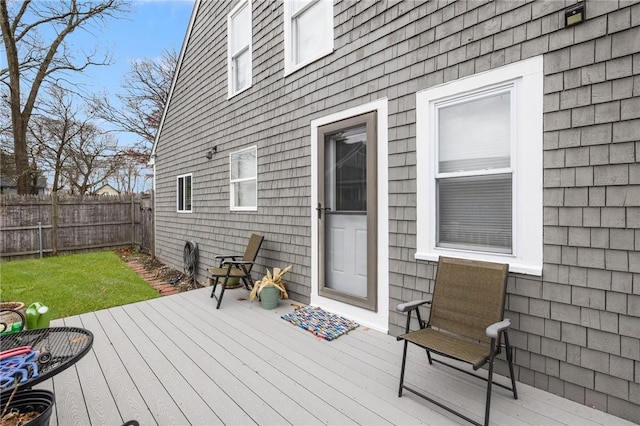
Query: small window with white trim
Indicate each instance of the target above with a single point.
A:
(239, 62)
(243, 179)
(308, 32)
(183, 192)
(479, 177)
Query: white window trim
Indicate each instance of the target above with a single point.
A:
(183, 192)
(232, 207)
(230, 79)
(526, 161)
(289, 65)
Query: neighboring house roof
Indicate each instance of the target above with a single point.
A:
(187, 36)
(6, 182)
(9, 182)
(106, 190)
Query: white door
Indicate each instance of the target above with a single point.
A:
(346, 211)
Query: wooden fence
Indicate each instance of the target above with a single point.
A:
(37, 225)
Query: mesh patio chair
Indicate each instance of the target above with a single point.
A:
(466, 323)
(232, 266)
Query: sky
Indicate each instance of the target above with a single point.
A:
(145, 31)
(150, 27)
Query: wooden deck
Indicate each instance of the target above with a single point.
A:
(177, 360)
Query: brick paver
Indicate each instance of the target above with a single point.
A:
(164, 288)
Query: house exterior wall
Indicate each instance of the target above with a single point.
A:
(576, 328)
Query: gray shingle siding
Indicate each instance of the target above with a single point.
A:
(576, 328)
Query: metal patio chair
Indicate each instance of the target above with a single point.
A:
(466, 323)
(231, 266)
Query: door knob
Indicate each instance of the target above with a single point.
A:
(319, 209)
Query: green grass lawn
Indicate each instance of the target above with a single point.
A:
(73, 284)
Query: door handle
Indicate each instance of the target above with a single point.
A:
(319, 209)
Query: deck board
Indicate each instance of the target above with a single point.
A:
(100, 405)
(328, 364)
(238, 379)
(180, 390)
(281, 356)
(177, 360)
(162, 406)
(256, 361)
(123, 391)
(214, 384)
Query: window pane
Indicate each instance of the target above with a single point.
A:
(475, 135)
(310, 32)
(187, 191)
(180, 193)
(240, 30)
(475, 212)
(243, 165)
(346, 170)
(241, 70)
(245, 194)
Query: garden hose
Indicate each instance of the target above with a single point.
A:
(190, 261)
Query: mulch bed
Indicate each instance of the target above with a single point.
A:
(163, 278)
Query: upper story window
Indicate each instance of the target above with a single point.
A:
(239, 48)
(243, 179)
(479, 176)
(183, 192)
(308, 32)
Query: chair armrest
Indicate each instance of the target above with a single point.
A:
(226, 256)
(409, 306)
(238, 262)
(495, 329)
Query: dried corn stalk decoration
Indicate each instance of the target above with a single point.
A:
(271, 280)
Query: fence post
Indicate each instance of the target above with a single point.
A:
(54, 222)
(40, 238)
(133, 221)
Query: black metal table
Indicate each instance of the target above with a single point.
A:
(53, 349)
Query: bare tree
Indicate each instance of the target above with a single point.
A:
(68, 144)
(145, 92)
(53, 130)
(6, 144)
(126, 179)
(92, 160)
(32, 61)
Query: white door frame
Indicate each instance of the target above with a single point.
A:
(378, 320)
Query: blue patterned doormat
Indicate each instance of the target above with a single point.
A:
(319, 322)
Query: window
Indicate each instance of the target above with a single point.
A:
(308, 32)
(243, 178)
(479, 177)
(473, 173)
(184, 193)
(239, 48)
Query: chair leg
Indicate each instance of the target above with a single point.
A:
(509, 351)
(404, 354)
(222, 289)
(404, 360)
(215, 284)
(247, 283)
(429, 358)
(487, 408)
